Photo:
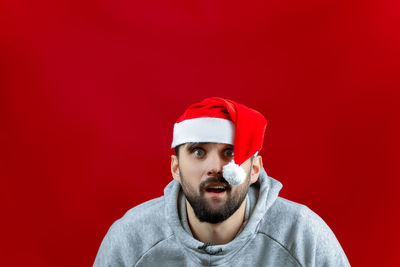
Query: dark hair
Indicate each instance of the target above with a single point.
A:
(177, 150)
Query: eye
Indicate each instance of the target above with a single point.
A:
(198, 152)
(228, 152)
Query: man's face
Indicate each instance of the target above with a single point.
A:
(200, 171)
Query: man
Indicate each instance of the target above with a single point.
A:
(221, 209)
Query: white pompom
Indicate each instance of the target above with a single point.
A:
(233, 173)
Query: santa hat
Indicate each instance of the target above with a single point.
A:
(219, 120)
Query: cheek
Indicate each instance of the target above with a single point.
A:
(241, 189)
(246, 166)
(191, 170)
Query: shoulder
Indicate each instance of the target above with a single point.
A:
(150, 210)
(303, 233)
(290, 213)
(135, 233)
(148, 216)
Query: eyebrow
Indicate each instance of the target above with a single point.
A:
(192, 145)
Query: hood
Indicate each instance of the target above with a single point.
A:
(264, 193)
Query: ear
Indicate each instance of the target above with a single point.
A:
(175, 168)
(256, 169)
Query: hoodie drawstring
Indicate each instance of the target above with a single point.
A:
(208, 244)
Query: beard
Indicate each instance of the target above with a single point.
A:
(214, 212)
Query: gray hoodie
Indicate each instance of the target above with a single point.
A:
(276, 232)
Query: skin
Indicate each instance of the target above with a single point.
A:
(201, 164)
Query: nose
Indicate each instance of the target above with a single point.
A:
(214, 164)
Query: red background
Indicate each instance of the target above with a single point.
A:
(89, 92)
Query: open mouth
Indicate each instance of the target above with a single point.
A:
(215, 188)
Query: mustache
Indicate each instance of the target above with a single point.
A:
(215, 179)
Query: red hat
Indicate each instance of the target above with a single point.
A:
(219, 120)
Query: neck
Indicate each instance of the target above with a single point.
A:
(220, 233)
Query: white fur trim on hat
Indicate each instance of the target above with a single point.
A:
(233, 173)
(204, 129)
